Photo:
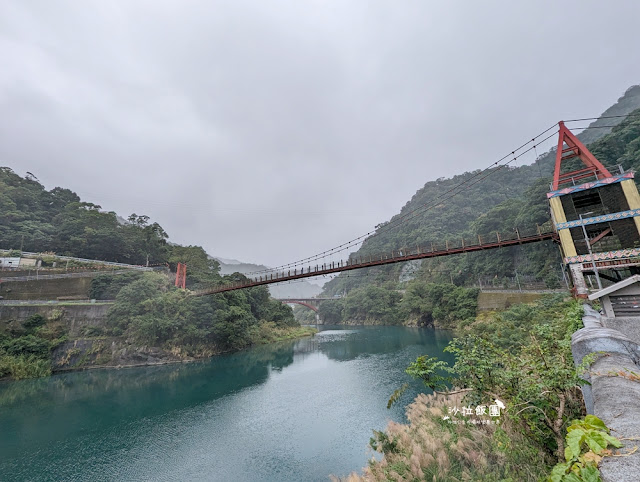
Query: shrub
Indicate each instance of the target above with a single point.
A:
(19, 367)
(28, 345)
(34, 322)
(92, 331)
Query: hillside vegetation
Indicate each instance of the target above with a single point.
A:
(511, 197)
(149, 311)
(521, 357)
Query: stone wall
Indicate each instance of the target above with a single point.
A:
(87, 348)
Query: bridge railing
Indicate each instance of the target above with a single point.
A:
(465, 242)
(494, 240)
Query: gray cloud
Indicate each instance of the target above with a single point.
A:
(268, 131)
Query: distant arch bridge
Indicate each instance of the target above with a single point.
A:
(311, 303)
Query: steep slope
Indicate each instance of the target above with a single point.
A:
(510, 197)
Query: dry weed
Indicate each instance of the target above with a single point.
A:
(430, 448)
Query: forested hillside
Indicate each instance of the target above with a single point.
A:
(148, 310)
(510, 197)
(34, 219)
(57, 221)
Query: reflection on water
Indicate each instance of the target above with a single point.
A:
(296, 410)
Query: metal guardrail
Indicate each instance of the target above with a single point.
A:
(84, 260)
(54, 302)
(80, 274)
(577, 180)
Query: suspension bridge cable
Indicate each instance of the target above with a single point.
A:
(603, 117)
(595, 127)
(348, 244)
(418, 211)
(415, 212)
(411, 213)
(455, 190)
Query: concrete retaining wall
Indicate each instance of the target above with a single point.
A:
(501, 300)
(47, 289)
(614, 395)
(75, 317)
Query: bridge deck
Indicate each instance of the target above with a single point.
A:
(284, 300)
(379, 260)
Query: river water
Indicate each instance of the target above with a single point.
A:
(293, 411)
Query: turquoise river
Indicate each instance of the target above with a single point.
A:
(293, 411)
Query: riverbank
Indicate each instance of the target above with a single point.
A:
(39, 352)
(105, 352)
(417, 303)
(520, 395)
(149, 322)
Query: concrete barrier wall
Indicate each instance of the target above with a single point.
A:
(614, 392)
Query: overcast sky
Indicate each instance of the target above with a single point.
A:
(267, 130)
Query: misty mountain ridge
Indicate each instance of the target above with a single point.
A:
(228, 261)
(298, 289)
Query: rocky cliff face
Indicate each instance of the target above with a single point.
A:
(109, 352)
(88, 343)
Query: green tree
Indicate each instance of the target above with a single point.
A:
(154, 313)
(153, 237)
(330, 311)
(530, 369)
(202, 270)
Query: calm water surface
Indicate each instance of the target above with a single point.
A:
(295, 411)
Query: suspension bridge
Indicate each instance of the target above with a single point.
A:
(307, 268)
(481, 243)
(588, 205)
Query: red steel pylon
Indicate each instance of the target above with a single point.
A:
(181, 275)
(574, 149)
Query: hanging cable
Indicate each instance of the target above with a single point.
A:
(410, 215)
(603, 117)
(536, 161)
